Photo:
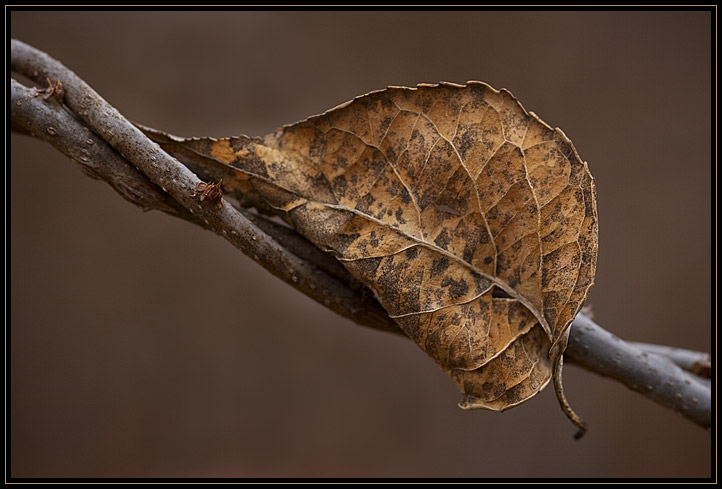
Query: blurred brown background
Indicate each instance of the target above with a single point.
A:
(143, 346)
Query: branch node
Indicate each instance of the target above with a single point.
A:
(54, 90)
(211, 191)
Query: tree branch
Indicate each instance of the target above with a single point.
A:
(107, 146)
(180, 184)
(654, 376)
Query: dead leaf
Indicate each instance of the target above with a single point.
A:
(472, 221)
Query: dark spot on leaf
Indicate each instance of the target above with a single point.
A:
(364, 204)
(412, 253)
(480, 282)
(502, 264)
(368, 266)
(339, 185)
(318, 146)
(588, 207)
(477, 91)
(443, 239)
(320, 186)
(253, 164)
(396, 188)
(468, 253)
(483, 237)
(565, 149)
(426, 103)
(467, 141)
(498, 293)
(457, 288)
(439, 265)
(347, 240)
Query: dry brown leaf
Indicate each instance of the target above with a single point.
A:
(473, 222)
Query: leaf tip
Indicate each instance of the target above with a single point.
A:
(566, 408)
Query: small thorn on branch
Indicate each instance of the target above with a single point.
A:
(54, 90)
(702, 368)
(211, 191)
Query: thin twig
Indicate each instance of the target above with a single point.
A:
(695, 362)
(170, 186)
